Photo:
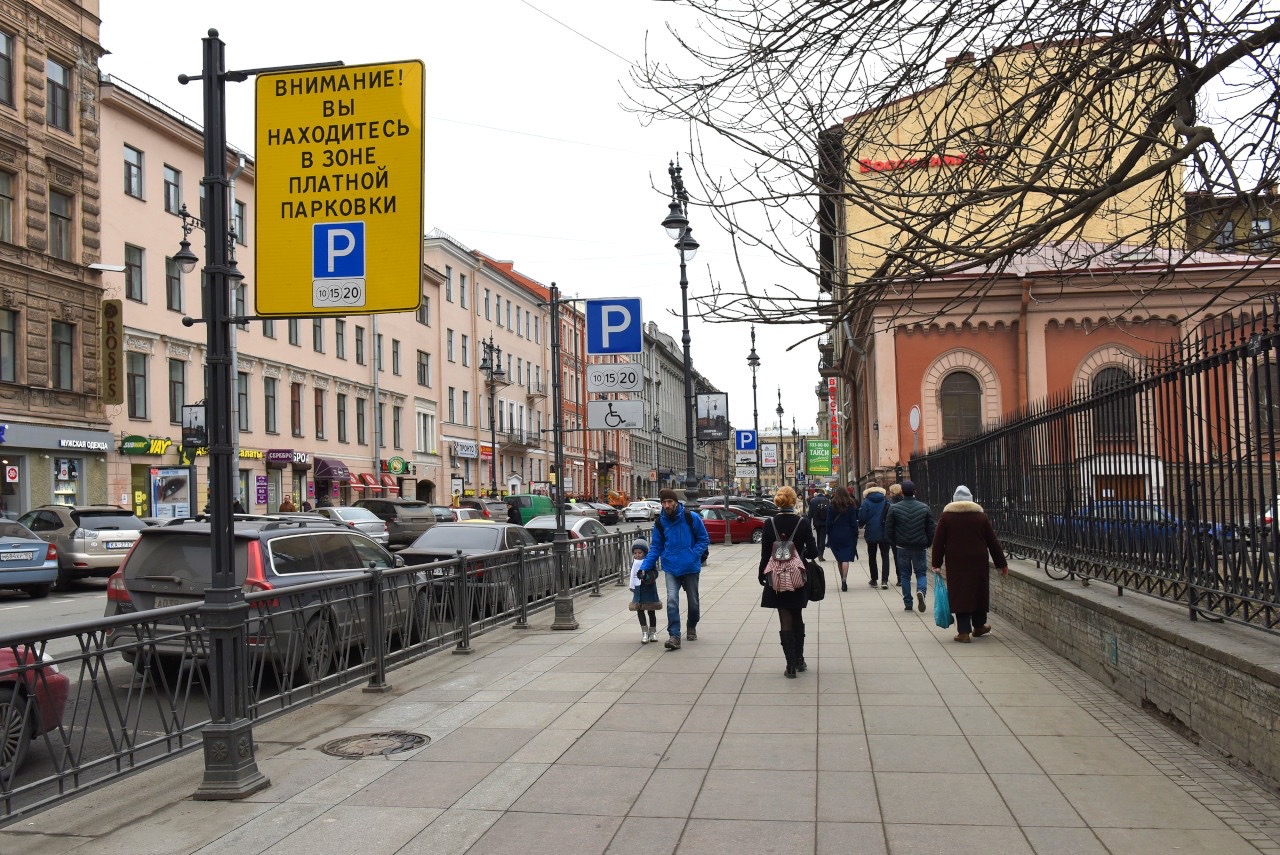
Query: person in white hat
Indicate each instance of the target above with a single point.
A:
(961, 543)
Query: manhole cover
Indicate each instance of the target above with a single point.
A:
(375, 744)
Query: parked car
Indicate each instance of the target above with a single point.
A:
(494, 575)
(444, 513)
(466, 515)
(607, 514)
(33, 697)
(172, 565)
(406, 519)
(492, 509)
(639, 510)
(756, 507)
(92, 540)
(577, 527)
(360, 519)
(26, 562)
(743, 526)
(1129, 526)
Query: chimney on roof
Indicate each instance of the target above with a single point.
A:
(965, 58)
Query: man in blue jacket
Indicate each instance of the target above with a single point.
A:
(679, 539)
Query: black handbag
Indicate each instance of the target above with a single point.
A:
(816, 580)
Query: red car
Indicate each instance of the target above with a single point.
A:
(32, 698)
(743, 526)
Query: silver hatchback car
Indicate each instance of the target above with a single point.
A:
(360, 519)
(92, 540)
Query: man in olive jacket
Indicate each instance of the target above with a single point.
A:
(909, 527)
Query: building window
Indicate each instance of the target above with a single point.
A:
(395, 426)
(448, 284)
(340, 338)
(1117, 417)
(359, 336)
(172, 189)
(241, 307)
(60, 206)
(6, 68)
(517, 320)
(317, 335)
(486, 304)
(466, 360)
(240, 223)
(395, 356)
(133, 273)
(424, 311)
(6, 207)
(269, 328)
(319, 412)
(1260, 232)
(295, 409)
(62, 355)
(1226, 234)
(177, 389)
(377, 352)
(453, 412)
(379, 427)
(135, 367)
(271, 404)
(342, 418)
(58, 96)
(462, 290)
(424, 369)
(466, 407)
(295, 333)
(132, 172)
(448, 346)
(172, 285)
(8, 346)
(961, 405)
(360, 426)
(242, 401)
(426, 433)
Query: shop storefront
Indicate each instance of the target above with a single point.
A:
(51, 465)
(287, 476)
(330, 479)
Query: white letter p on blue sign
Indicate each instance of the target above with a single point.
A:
(614, 326)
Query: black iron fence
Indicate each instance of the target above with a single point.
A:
(1161, 476)
(83, 704)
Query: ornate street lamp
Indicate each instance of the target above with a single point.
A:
(491, 367)
(753, 359)
(781, 474)
(677, 226)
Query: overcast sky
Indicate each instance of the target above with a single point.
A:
(530, 156)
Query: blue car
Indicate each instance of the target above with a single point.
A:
(1128, 526)
(26, 562)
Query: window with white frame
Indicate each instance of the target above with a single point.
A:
(58, 95)
(172, 189)
(177, 389)
(132, 172)
(172, 285)
(6, 68)
(62, 354)
(135, 373)
(133, 264)
(60, 208)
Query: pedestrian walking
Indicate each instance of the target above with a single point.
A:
(679, 541)
(287, 506)
(963, 540)
(842, 532)
(871, 517)
(910, 528)
(306, 506)
(895, 495)
(644, 592)
(788, 525)
(819, 504)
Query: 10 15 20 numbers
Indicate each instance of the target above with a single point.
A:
(327, 293)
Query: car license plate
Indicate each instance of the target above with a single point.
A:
(119, 544)
(165, 602)
(17, 556)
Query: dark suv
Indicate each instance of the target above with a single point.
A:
(92, 540)
(305, 633)
(406, 519)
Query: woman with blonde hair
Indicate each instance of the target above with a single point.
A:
(787, 524)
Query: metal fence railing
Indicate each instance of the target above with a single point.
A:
(1162, 477)
(83, 704)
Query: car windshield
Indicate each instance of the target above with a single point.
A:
(459, 537)
(108, 520)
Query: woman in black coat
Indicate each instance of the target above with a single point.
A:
(790, 604)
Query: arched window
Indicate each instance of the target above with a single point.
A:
(1115, 418)
(960, 400)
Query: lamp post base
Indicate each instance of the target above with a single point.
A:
(564, 613)
(230, 771)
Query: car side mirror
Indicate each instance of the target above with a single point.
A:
(399, 562)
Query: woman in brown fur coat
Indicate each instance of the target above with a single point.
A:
(961, 543)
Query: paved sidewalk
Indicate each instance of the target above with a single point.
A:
(896, 740)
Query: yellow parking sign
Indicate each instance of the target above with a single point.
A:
(338, 220)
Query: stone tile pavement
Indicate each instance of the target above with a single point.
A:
(896, 740)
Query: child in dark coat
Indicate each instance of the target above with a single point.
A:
(644, 594)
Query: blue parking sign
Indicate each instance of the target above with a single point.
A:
(744, 440)
(337, 250)
(614, 326)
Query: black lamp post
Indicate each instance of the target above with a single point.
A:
(795, 452)
(491, 365)
(677, 226)
(753, 359)
(781, 471)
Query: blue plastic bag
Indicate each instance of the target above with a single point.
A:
(941, 603)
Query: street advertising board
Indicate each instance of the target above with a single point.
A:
(818, 457)
(338, 219)
(170, 492)
(619, 377)
(769, 455)
(712, 417)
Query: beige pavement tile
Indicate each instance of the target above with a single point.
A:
(929, 839)
(333, 788)
(656, 718)
(180, 827)
(1066, 841)
(383, 831)
(840, 719)
(631, 696)
(725, 684)
(1123, 841)
(724, 837)
(537, 696)
(691, 751)
(416, 785)
(830, 682)
(248, 839)
(452, 832)
(734, 664)
(838, 699)
(842, 838)
(1086, 755)
(645, 835)
(501, 787)
(399, 715)
(604, 790)
(839, 752)
(581, 716)
(1135, 801)
(1005, 663)
(1032, 683)
(658, 684)
(910, 720)
(670, 793)
(786, 719)
(979, 721)
(898, 699)
(565, 682)
(847, 797)
(774, 751)
(546, 834)
(1053, 721)
(611, 748)
(510, 714)
(753, 794)
(478, 744)
(1054, 698)
(958, 799)
(1036, 800)
(902, 684)
(709, 717)
(1003, 754)
(926, 753)
(888, 665)
(547, 746)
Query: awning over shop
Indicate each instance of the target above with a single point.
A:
(390, 483)
(367, 479)
(328, 469)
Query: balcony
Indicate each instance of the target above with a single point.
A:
(536, 391)
(519, 439)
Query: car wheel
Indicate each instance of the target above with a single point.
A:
(15, 732)
(37, 592)
(317, 649)
(757, 535)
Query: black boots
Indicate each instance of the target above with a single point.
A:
(801, 665)
(788, 639)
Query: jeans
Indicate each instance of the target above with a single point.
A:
(966, 621)
(912, 559)
(820, 532)
(883, 547)
(689, 582)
